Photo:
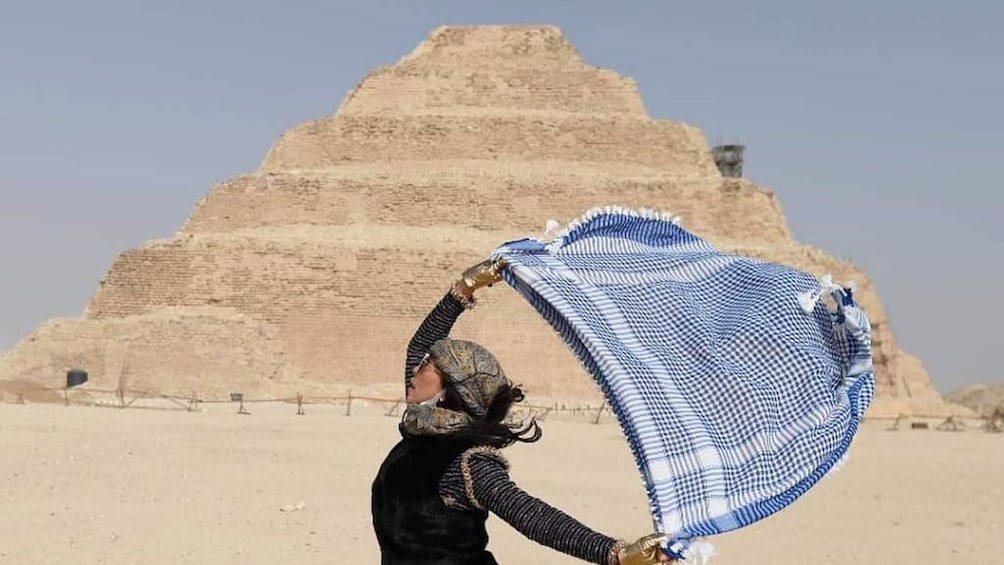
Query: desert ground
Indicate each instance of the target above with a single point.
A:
(104, 485)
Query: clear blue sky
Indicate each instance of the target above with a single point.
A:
(879, 124)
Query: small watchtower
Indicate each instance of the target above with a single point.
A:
(729, 159)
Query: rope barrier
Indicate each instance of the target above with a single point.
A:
(192, 402)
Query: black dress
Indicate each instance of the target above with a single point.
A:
(413, 525)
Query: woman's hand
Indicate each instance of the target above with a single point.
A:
(644, 551)
(485, 273)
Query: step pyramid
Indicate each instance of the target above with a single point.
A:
(311, 273)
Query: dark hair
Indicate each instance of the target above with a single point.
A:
(492, 429)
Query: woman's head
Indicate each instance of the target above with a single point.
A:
(471, 371)
(466, 377)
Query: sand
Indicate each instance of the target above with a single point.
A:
(103, 485)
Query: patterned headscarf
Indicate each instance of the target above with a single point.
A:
(473, 372)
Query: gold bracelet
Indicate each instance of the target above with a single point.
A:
(614, 557)
(464, 301)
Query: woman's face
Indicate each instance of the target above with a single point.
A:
(426, 383)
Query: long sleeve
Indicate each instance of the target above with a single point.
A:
(436, 326)
(482, 481)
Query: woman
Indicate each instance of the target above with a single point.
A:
(433, 492)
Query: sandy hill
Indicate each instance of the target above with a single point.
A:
(311, 272)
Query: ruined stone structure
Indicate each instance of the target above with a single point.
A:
(984, 399)
(312, 272)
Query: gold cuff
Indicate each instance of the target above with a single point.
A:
(464, 301)
(614, 555)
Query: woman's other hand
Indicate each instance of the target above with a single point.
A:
(644, 551)
(485, 273)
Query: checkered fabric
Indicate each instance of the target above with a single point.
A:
(735, 384)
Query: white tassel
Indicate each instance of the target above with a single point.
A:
(807, 300)
(593, 213)
(699, 553)
(550, 227)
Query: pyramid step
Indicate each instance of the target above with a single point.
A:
(327, 143)
(477, 90)
(516, 205)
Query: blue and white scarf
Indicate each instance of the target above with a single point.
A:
(734, 383)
